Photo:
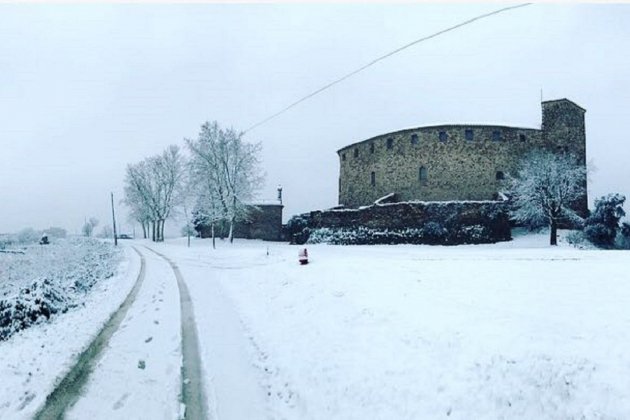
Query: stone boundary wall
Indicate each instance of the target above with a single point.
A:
(455, 219)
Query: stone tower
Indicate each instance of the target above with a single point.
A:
(563, 132)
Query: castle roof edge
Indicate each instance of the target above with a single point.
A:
(392, 133)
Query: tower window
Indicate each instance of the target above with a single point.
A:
(414, 139)
(371, 147)
(343, 156)
(372, 179)
(422, 175)
(496, 135)
(443, 136)
(468, 134)
(356, 152)
(390, 143)
(522, 137)
(500, 176)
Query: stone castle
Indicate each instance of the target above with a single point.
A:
(455, 162)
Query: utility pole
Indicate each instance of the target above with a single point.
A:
(114, 222)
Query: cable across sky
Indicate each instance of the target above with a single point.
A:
(381, 58)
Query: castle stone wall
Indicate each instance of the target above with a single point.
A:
(460, 162)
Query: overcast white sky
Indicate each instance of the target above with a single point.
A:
(86, 89)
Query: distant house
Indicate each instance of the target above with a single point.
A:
(264, 222)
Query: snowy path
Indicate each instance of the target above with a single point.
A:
(232, 362)
(193, 393)
(138, 375)
(69, 389)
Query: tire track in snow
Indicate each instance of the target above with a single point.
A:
(193, 393)
(68, 391)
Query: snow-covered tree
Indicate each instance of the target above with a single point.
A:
(152, 187)
(623, 238)
(138, 196)
(545, 188)
(601, 227)
(168, 172)
(88, 226)
(227, 171)
(106, 232)
(56, 232)
(28, 235)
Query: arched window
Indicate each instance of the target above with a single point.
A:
(469, 135)
(422, 175)
(371, 147)
(496, 135)
(414, 139)
(343, 156)
(372, 179)
(443, 136)
(356, 152)
(522, 137)
(390, 143)
(500, 176)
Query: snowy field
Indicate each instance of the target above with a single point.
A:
(511, 330)
(38, 282)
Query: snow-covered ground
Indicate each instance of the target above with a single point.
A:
(39, 282)
(511, 330)
(34, 360)
(138, 375)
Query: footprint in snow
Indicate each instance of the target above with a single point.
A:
(120, 402)
(148, 340)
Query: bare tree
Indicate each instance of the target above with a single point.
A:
(151, 188)
(171, 178)
(546, 188)
(139, 196)
(106, 232)
(88, 226)
(229, 170)
(56, 232)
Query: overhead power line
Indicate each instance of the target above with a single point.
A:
(381, 58)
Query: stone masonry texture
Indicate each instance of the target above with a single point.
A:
(455, 162)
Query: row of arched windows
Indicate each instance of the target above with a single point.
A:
(469, 136)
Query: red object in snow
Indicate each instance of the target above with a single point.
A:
(303, 256)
